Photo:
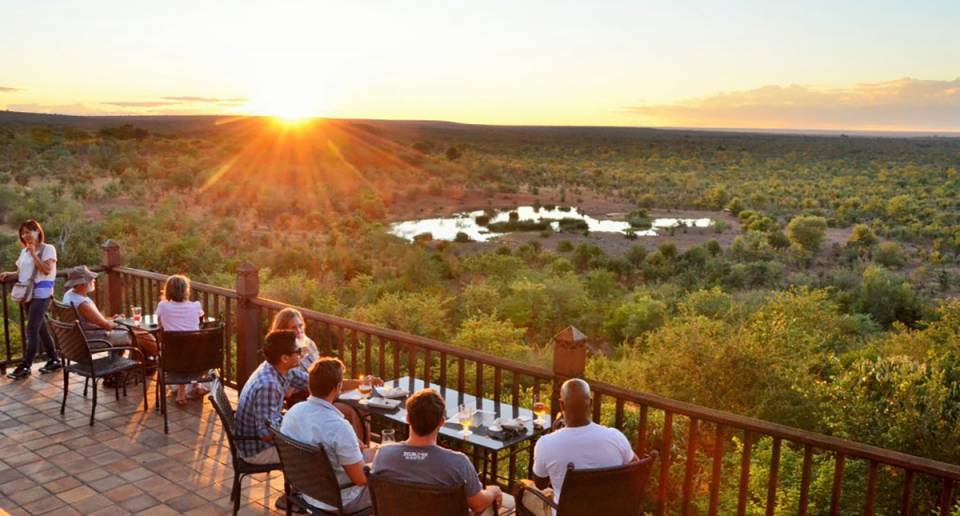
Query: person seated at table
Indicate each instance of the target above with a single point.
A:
(80, 282)
(317, 421)
(583, 443)
(420, 460)
(292, 319)
(176, 312)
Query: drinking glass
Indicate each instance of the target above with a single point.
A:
(465, 417)
(364, 389)
(539, 410)
(388, 435)
(136, 313)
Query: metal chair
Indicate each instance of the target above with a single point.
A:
(241, 468)
(393, 498)
(307, 470)
(188, 357)
(64, 313)
(75, 347)
(617, 490)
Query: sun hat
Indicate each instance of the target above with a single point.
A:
(79, 275)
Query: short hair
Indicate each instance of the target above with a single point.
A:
(281, 321)
(31, 225)
(325, 374)
(177, 288)
(279, 343)
(425, 410)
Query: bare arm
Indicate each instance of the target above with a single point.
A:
(480, 501)
(92, 315)
(541, 482)
(355, 472)
(43, 266)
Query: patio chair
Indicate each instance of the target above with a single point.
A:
(307, 470)
(188, 357)
(393, 498)
(616, 490)
(241, 468)
(75, 347)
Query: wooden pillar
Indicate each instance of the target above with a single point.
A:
(248, 322)
(569, 361)
(111, 258)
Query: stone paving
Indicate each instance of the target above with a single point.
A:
(124, 464)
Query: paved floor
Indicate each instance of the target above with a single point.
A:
(124, 464)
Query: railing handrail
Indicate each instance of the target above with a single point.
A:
(195, 285)
(824, 442)
(418, 340)
(818, 440)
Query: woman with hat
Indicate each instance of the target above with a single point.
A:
(81, 281)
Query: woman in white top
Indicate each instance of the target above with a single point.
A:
(177, 313)
(37, 262)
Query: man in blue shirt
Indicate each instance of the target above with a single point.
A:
(317, 421)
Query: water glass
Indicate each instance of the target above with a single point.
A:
(136, 313)
(388, 435)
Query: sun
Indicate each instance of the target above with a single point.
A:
(288, 101)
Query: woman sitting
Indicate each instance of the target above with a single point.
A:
(81, 281)
(177, 313)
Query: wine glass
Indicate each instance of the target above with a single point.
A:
(387, 436)
(365, 387)
(465, 417)
(539, 410)
(136, 313)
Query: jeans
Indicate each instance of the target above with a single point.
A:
(37, 332)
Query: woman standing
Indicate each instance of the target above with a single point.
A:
(177, 313)
(37, 270)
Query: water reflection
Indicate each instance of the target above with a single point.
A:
(446, 228)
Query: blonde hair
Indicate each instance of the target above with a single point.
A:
(283, 319)
(177, 288)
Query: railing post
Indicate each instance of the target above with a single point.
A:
(248, 321)
(111, 258)
(569, 361)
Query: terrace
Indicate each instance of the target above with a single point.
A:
(711, 462)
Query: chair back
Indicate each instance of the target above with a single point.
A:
(70, 341)
(393, 498)
(192, 351)
(64, 313)
(221, 404)
(616, 490)
(307, 469)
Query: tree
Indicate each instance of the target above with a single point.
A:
(453, 153)
(808, 232)
(891, 254)
(887, 297)
(633, 319)
(862, 237)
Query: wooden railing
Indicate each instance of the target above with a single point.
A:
(710, 462)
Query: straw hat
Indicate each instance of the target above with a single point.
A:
(79, 275)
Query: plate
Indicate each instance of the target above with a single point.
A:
(386, 391)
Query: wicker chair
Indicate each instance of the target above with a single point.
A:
(241, 468)
(188, 357)
(618, 490)
(75, 347)
(307, 470)
(392, 498)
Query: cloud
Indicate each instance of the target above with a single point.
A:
(902, 104)
(8, 89)
(140, 104)
(61, 109)
(208, 100)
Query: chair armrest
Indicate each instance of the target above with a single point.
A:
(246, 438)
(538, 494)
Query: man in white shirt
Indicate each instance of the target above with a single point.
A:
(317, 421)
(582, 442)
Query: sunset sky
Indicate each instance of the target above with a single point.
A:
(873, 65)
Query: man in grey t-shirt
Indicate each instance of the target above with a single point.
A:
(419, 459)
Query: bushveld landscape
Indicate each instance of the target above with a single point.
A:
(822, 296)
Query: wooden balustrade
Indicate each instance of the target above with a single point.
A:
(704, 453)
